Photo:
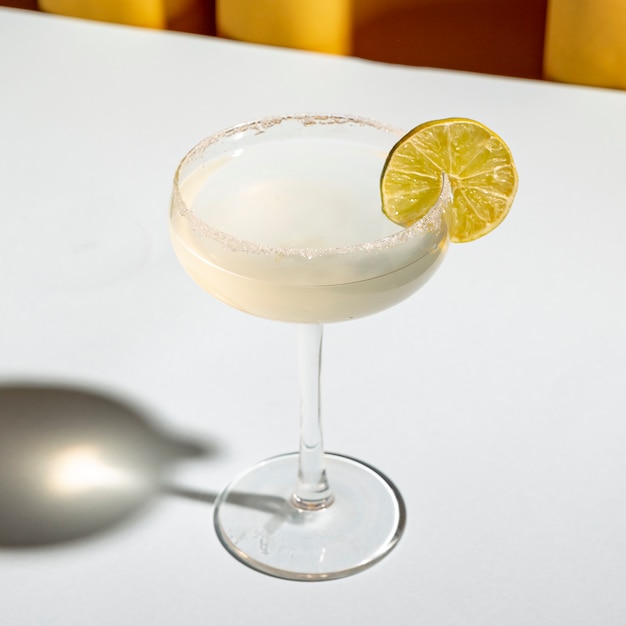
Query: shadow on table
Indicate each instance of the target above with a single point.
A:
(267, 503)
(75, 463)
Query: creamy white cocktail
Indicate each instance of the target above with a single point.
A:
(282, 218)
(291, 228)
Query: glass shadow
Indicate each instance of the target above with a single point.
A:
(75, 463)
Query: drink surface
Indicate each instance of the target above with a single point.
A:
(301, 195)
(292, 229)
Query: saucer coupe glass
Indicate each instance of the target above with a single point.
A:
(281, 218)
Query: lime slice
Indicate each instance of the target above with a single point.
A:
(478, 163)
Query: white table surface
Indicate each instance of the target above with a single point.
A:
(494, 398)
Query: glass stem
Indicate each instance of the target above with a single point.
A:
(312, 491)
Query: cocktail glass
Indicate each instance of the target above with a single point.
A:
(281, 218)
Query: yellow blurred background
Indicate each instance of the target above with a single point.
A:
(575, 41)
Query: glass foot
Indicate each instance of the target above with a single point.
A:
(258, 523)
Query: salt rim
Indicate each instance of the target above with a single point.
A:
(429, 223)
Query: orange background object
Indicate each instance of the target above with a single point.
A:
(575, 41)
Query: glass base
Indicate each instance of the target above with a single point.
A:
(258, 522)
